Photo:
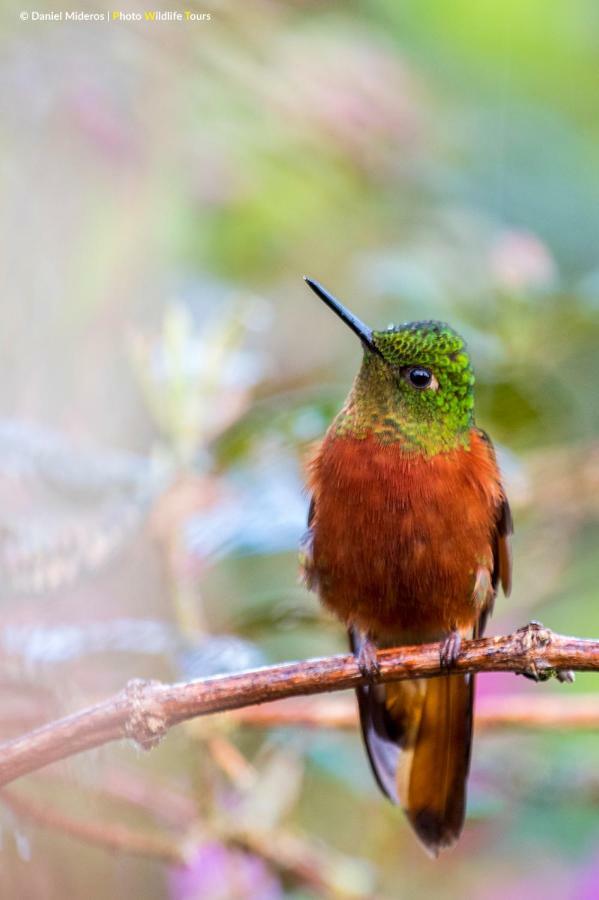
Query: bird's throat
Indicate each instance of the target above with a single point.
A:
(376, 408)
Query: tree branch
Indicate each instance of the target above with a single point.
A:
(109, 836)
(288, 851)
(492, 713)
(145, 711)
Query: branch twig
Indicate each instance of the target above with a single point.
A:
(492, 713)
(145, 711)
(109, 836)
(288, 851)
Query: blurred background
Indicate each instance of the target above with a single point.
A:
(165, 373)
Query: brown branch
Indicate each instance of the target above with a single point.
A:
(109, 836)
(492, 713)
(565, 713)
(145, 711)
(289, 852)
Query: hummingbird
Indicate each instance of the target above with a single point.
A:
(407, 542)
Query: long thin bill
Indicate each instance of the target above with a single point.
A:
(358, 327)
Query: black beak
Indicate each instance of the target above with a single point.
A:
(358, 327)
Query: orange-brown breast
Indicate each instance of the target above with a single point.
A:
(398, 537)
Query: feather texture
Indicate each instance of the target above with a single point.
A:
(405, 548)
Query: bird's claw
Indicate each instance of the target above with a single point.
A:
(565, 676)
(450, 649)
(367, 660)
(536, 675)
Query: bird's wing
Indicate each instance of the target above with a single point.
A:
(306, 554)
(503, 529)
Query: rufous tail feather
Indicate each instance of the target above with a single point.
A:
(418, 735)
(433, 768)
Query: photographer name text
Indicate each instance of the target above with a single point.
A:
(115, 15)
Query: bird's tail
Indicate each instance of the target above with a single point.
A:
(418, 735)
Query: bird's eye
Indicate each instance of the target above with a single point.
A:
(421, 378)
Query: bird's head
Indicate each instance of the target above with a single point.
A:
(415, 384)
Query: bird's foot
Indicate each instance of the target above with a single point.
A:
(450, 649)
(533, 674)
(565, 676)
(367, 661)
